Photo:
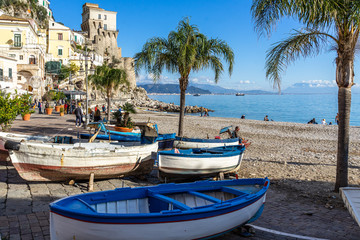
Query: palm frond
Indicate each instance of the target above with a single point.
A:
(299, 44)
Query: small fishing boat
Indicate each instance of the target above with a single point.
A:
(196, 95)
(196, 210)
(205, 161)
(148, 134)
(186, 143)
(44, 161)
(240, 94)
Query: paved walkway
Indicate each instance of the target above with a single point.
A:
(24, 211)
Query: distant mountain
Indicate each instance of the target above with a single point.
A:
(309, 88)
(214, 88)
(171, 89)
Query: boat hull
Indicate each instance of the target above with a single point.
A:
(187, 143)
(67, 228)
(57, 162)
(169, 211)
(198, 165)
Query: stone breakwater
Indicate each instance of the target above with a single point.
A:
(140, 99)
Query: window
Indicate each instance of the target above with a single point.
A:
(60, 36)
(21, 57)
(12, 55)
(60, 53)
(1, 75)
(10, 73)
(105, 17)
(99, 16)
(105, 26)
(19, 78)
(17, 40)
(32, 59)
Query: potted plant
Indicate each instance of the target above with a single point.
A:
(124, 124)
(25, 107)
(25, 114)
(62, 112)
(57, 97)
(48, 109)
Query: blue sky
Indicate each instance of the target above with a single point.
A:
(229, 20)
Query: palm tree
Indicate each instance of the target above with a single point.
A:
(108, 80)
(128, 108)
(335, 22)
(184, 51)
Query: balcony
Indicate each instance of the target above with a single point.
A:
(16, 45)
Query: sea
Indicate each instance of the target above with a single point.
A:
(299, 108)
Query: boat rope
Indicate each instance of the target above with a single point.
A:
(284, 234)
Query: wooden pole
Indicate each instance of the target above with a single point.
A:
(91, 183)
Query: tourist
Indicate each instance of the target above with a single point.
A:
(78, 115)
(39, 106)
(337, 119)
(266, 118)
(243, 116)
(330, 123)
(201, 111)
(312, 121)
(103, 108)
(96, 108)
(91, 113)
(97, 116)
(323, 122)
(236, 134)
(206, 114)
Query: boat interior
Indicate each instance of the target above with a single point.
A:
(165, 203)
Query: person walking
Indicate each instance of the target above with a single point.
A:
(39, 106)
(103, 108)
(78, 115)
(337, 119)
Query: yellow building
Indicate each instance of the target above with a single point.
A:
(21, 40)
(60, 43)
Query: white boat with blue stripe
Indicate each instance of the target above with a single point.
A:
(169, 211)
(187, 143)
(201, 161)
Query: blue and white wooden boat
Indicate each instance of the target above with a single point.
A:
(196, 210)
(186, 143)
(165, 141)
(203, 161)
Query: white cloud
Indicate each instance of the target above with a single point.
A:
(147, 79)
(320, 83)
(202, 80)
(246, 82)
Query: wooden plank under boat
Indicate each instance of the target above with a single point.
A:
(187, 143)
(192, 162)
(196, 210)
(351, 198)
(38, 161)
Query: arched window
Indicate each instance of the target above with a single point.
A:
(32, 59)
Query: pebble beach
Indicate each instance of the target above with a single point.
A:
(298, 156)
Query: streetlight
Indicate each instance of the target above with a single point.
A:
(86, 55)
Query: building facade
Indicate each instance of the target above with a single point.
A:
(59, 42)
(21, 40)
(100, 26)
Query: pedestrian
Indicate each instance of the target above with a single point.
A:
(243, 117)
(266, 118)
(78, 115)
(96, 108)
(206, 114)
(337, 119)
(97, 115)
(236, 134)
(323, 122)
(103, 108)
(201, 111)
(39, 106)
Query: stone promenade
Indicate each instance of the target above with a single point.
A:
(24, 206)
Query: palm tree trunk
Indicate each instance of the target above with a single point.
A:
(345, 80)
(344, 104)
(108, 109)
(182, 109)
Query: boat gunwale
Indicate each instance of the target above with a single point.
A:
(227, 140)
(221, 152)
